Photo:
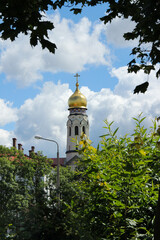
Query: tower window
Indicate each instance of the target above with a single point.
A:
(84, 130)
(69, 131)
(76, 130)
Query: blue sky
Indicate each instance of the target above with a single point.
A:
(35, 85)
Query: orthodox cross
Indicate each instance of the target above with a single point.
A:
(77, 77)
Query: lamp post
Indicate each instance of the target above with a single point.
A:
(58, 164)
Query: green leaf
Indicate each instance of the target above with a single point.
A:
(142, 119)
(115, 131)
(105, 135)
(131, 222)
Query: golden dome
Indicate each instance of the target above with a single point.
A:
(77, 99)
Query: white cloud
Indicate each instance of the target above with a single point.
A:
(6, 138)
(121, 105)
(7, 113)
(115, 31)
(128, 81)
(46, 114)
(78, 44)
(20, 62)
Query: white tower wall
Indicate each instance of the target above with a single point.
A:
(76, 125)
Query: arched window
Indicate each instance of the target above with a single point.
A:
(76, 130)
(69, 131)
(84, 130)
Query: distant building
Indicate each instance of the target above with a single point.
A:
(77, 123)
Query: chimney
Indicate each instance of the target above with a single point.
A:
(30, 151)
(20, 146)
(32, 148)
(14, 142)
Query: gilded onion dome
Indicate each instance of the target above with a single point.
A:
(77, 99)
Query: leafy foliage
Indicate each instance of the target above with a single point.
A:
(29, 18)
(24, 196)
(29, 205)
(141, 88)
(120, 185)
(112, 194)
(26, 17)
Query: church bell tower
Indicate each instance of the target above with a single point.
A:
(77, 121)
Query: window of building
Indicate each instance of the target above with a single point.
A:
(76, 130)
(69, 131)
(84, 130)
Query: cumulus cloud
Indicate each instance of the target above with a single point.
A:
(121, 105)
(20, 62)
(6, 138)
(128, 81)
(115, 31)
(78, 44)
(47, 113)
(7, 113)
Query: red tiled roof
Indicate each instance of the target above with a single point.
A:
(61, 160)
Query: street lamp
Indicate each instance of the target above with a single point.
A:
(58, 162)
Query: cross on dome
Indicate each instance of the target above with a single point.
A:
(77, 84)
(77, 75)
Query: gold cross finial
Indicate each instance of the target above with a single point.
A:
(77, 75)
